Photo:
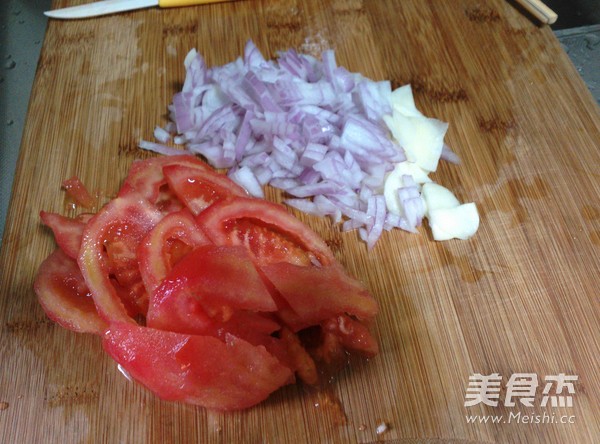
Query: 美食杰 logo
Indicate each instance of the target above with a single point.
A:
(521, 389)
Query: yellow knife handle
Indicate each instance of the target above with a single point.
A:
(174, 3)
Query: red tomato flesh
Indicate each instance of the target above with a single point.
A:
(198, 188)
(108, 261)
(176, 235)
(147, 179)
(67, 232)
(267, 230)
(352, 335)
(201, 370)
(316, 294)
(203, 294)
(209, 283)
(64, 296)
(78, 192)
(299, 359)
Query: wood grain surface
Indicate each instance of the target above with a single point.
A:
(520, 297)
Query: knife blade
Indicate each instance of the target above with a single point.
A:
(105, 7)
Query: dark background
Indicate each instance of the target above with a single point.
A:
(575, 13)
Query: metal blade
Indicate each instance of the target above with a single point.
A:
(100, 8)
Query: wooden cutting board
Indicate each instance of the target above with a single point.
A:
(520, 297)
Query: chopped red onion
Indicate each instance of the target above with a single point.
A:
(376, 211)
(306, 206)
(160, 148)
(263, 174)
(245, 178)
(324, 187)
(162, 135)
(312, 154)
(307, 126)
(448, 155)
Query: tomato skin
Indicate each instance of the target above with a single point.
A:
(201, 370)
(199, 188)
(352, 335)
(64, 296)
(267, 230)
(67, 232)
(146, 178)
(78, 192)
(300, 360)
(169, 240)
(316, 294)
(108, 247)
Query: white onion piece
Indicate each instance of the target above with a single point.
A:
(403, 102)
(459, 222)
(437, 197)
(448, 219)
(421, 137)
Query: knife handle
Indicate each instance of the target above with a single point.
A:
(174, 3)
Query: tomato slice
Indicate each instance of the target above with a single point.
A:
(78, 192)
(215, 291)
(211, 282)
(316, 294)
(267, 230)
(186, 314)
(352, 335)
(67, 231)
(147, 179)
(198, 188)
(64, 296)
(176, 235)
(299, 359)
(201, 370)
(108, 259)
(203, 294)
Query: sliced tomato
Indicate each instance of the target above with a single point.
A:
(334, 339)
(242, 294)
(201, 370)
(67, 231)
(215, 291)
(284, 313)
(147, 179)
(316, 294)
(267, 230)
(186, 315)
(198, 188)
(64, 295)
(108, 259)
(299, 359)
(210, 283)
(352, 335)
(78, 192)
(328, 351)
(176, 235)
